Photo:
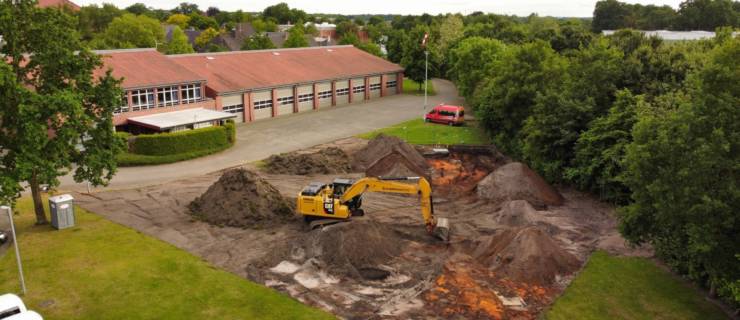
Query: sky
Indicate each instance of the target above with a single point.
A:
(556, 8)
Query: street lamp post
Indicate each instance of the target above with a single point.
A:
(9, 210)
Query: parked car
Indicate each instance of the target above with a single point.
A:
(3, 237)
(12, 308)
(450, 115)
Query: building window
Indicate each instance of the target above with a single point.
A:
(262, 104)
(391, 84)
(375, 86)
(324, 94)
(305, 97)
(358, 89)
(142, 99)
(239, 108)
(342, 92)
(190, 93)
(167, 96)
(285, 100)
(123, 107)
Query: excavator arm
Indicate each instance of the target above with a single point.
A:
(437, 226)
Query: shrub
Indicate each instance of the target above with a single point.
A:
(167, 144)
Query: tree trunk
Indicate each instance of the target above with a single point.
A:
(38, 205)
(420, 85)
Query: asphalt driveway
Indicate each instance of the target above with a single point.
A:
(258, 140)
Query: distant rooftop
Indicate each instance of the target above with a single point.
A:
(674, 35)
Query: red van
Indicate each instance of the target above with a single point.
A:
(451, 115)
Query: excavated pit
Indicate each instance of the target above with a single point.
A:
(508, 257)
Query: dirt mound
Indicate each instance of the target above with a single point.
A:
(325, 161)
(516, 181)
(387, 155)
(240, 198)
(525, 254)
(517, 213)
(355, 248)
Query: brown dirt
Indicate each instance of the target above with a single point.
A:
(240, 198)
(325, 161)
(458, 173)
(525, 254)
(346, 248)
(387, 155)
(516, 181)
(385, 265)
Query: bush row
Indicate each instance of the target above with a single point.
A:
(191, 141)
(127, 159)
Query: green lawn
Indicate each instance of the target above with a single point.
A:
(419, 132)
(102, 270)
(412, 87)
(629, 288)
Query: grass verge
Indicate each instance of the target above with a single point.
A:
(102, 270)
(419, 132)
(629, 288)
(412, 87)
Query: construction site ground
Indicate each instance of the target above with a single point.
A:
(505, 259)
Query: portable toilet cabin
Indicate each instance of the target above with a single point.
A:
(62, 211)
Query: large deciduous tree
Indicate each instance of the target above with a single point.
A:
(413, 59)
(471, 61)
(178, 43)
(296, 38)
(506, 99)
(55, 117)
(258, 41)
(130, 31)
(179, 20)
(683, 170)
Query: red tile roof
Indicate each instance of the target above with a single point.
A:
(58, 3)
(144, 68)
(240, 70)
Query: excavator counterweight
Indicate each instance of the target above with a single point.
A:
(341, 199)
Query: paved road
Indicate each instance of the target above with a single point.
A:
(259, 140)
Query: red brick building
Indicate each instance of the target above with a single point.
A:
(243, 85)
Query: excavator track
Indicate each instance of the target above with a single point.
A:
(320, 223)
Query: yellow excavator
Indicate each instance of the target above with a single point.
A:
(322, 204)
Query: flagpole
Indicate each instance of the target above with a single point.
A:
(426, 75)
(9, 210)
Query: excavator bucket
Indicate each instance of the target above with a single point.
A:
(442, 229)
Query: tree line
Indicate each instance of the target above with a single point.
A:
(651, 126)
(691, 15)
(139, 26)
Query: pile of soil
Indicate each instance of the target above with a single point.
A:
(517, 213)
(325, 161)
(516, 181)
(390, 156)
(357, 248)
(526, 254)
(241, 198)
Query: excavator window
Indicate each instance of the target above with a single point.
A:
(312, 189)
(341, 185)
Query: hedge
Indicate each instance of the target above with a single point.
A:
(173, 147)
(198, 140)
(126, 159)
